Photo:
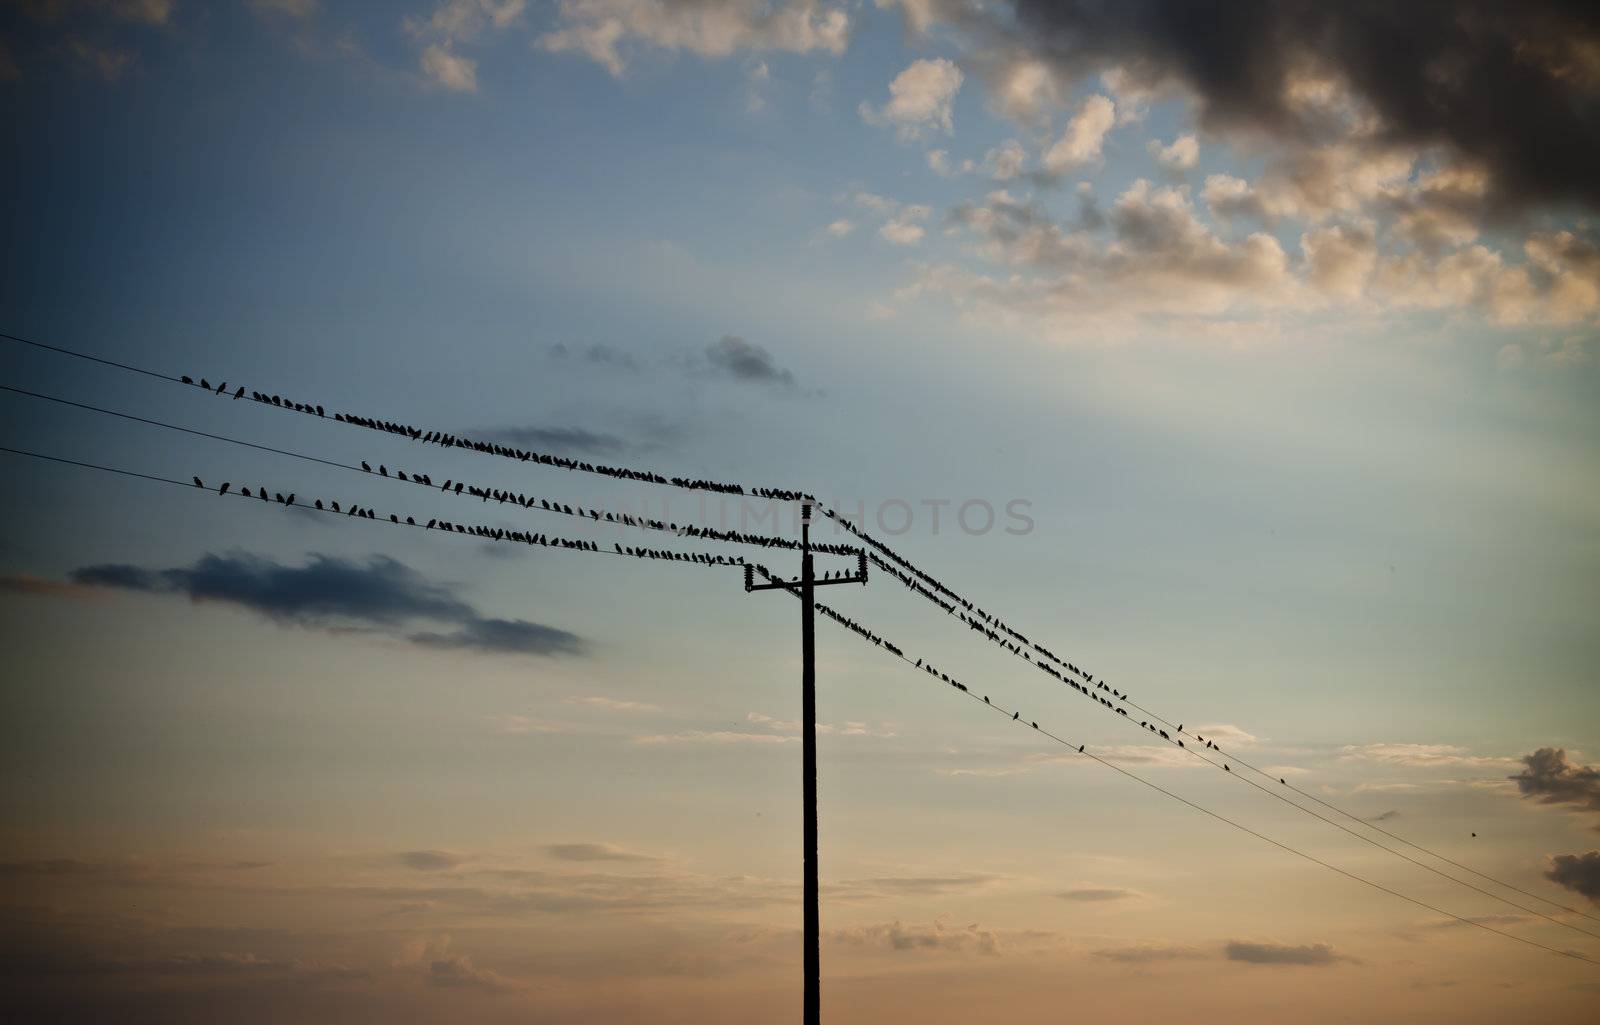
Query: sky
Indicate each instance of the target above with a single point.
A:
(1244, 355)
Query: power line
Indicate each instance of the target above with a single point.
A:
(453, 441)
(590, 548)
(479, 531)
(473, 491)
(1015, 716)
(1016, 650)
(92, 359)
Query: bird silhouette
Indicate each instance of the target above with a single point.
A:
(1015, 716)
(1283, 781)
(187, 379)
(198, 483)
(366, 466)
(224, 489)
(205, 384)
(319, 505)
(1081, 747)
(222, 387)
(1474, 834)
(240, 393)
(1225, 767)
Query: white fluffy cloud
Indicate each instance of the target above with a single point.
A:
(1085, 135)
(599, 29)
(1179, 155)
(921, 99)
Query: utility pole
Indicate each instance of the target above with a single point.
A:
(805, 590)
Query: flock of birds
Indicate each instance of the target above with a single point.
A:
(483, 531)
(909, 575)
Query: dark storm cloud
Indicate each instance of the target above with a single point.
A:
(1579, 872)
(1282, 954)
(1510, 85)
(335, 594)
(745, 361)
(1550, 779)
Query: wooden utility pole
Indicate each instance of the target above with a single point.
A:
(805, 590)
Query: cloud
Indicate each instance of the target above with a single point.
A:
(938, 937)
(905, 227)
(602, 30)
(110, 64)
(443, 968)
(732, 356)
(1025, 90)
(1161, 261)
(614, 705)
(1081, 143)
(288, 8)
(1151, 953)
(446, 69)
(430, 861)
(503, 636)
(594, 852)
(714, 737)
(844, 729)
(328, 588)
(1510, 86)
(1282, 954)
(1577, 872)
(1339, 259)
(330, 593)
(921, 99)
(27, 583)
(1421, 756)
(1549, 778)
(1179, 155)
(882, 887)
(840, 228)
(1096, 895)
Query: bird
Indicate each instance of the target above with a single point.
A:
(222, 387)
(383, 469)
(199, 483)
(366, 466)
(205, 384)
(319, 505)
(224, 489)
(240, 393)
(1474, 834)
(1225, 767)
(245, 492)
(1015, 716)
(334, 504)
(187, 379)
(1081, 747)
